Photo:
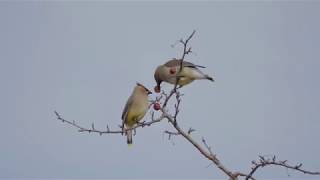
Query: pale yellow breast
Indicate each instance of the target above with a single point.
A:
(187, 76)
(184, 81)
(137, 110)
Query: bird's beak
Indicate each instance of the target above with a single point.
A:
(149, 92)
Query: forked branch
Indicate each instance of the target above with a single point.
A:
(92, 129)
(264, 161)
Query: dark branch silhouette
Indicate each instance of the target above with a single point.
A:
(204, 149)
(92, 129)
(264, 161)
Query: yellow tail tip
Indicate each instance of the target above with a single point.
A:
(130, 146)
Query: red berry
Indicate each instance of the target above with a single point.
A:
(156, 106)
(156, 89)
(173, 71)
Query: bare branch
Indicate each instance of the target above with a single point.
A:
(264, 161)
(170, 133)
(186, 50)
(184, 53)
(191, 130)
(168, 97)
(107, 131)
(207, 146)
(208, 154)
(177, 106)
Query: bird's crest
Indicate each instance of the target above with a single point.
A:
(139, 84)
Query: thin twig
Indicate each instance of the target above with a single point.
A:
(186, 51)
(263, 162)
(170, 133)
(205, 153)
(107, 131)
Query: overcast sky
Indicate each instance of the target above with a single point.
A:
(83, 59)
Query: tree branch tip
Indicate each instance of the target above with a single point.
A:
(58, 115)
(191, 130)
(261, 157)
(284, 162)
(298, 166)
(203, 140)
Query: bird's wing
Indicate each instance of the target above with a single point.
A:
(176, 62)
(189, 64)
(125, 110)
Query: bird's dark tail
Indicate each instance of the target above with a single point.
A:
(209, 78)
(129, 137)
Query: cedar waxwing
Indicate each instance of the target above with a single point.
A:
(169, 72)
(135, 109)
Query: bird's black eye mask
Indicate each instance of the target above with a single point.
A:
(149, 92)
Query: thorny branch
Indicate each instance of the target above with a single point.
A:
(107, 131)
(205, 150)
(206, 153)
(170, 133)
(264, 161)
(186, 50)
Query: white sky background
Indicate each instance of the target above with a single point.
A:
(83, 59)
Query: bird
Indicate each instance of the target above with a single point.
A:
(169, 72)
(135, 109)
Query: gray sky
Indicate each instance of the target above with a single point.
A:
(83, 59)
